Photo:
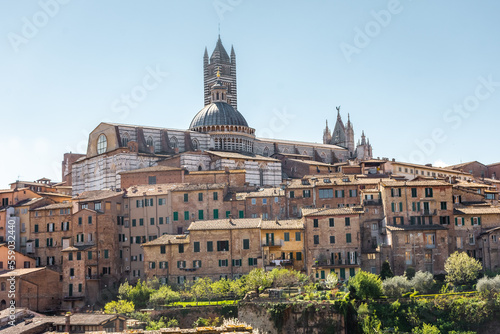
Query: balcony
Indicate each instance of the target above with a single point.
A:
(429, 212)
(372, 202)
(272, 243)
(92, 277)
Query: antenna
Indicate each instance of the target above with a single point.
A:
(219, 30)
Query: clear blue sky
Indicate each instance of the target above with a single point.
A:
(411, 74)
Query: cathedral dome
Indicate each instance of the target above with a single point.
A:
(217, 113)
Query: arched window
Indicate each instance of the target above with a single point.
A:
(173, 142)
(3, 304)
(2, 287)
(266, 151)
(196, 144)
(150, 142)
(125, 139)
(102, 144)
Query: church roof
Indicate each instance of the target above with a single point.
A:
(218, 113)
(219, 51)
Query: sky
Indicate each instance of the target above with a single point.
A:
(420, 78)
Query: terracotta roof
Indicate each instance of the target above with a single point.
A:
(152, 169)
(289, 224)
(471, 185)
(225, 224)
(53, 194)
(168, 239)
(414, 183)
(477, 210)
(150, 189)
(96, 195)
(190, 187)
(263, 192)
(21, 272)
(415, 227)
(464, 164)
(352, 210)
(55, 206)
(86, 319)
(437, 169)
(29, 201)
(234, 155)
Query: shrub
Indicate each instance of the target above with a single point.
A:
(365, 285)
(488, 286)
(426, 329)
(410, 272)
(422, 281)
(396, 286)
(386, 271)
(461, 269)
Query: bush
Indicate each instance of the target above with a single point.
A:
(461, 269)
(365, 285)
(396, 286)
(164, 295)
(423, 281)
(121, 307)
(426, 329)
(488, 286)
(386, 271)
(410, 272)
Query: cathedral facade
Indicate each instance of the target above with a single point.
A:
(343, 135)
(218, 138)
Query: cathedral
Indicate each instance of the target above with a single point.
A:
(218, 138)
(343, 135)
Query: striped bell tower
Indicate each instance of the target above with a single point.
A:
(220, 62)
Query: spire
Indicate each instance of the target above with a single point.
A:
(219, 52)
(363, 138)
(205, 55)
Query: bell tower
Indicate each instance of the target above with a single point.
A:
(220, 62)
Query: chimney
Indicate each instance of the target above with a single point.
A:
(67, 322)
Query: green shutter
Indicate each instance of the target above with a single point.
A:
(393, 207)
(479, 220)
(241, 214)
(200, 214)
(456, 221)
(216, 213)
(401, 206)
(471, 220)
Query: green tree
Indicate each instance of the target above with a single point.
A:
(426, 329)
(257, 279)
(221, 288)
(163, 296)
(202, 289)
(138, 294)
(162, 323)
(365, 285)
(386, 271)
(461, 269)
(119, 307)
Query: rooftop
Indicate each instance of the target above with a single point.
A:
(289, 224)
(56, 206)
(262, 192)
(225, 224)
(168, 239)
(353, 210)
(96, 195)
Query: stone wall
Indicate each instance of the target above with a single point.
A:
(296, 318)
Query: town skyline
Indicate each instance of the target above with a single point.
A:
(75, 75)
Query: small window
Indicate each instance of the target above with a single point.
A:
(151, 179)
(200, 197)
(186, 197)
(297, 236)
(246, 243)
(316, 239)
(332, 239)
(315, 222)
(287, 236)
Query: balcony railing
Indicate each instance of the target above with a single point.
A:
(429, 212)
(372, 202)
(272, 243)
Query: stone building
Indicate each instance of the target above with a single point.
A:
(223, 248)
(37, 289)
(332, 241)
(283, 244)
